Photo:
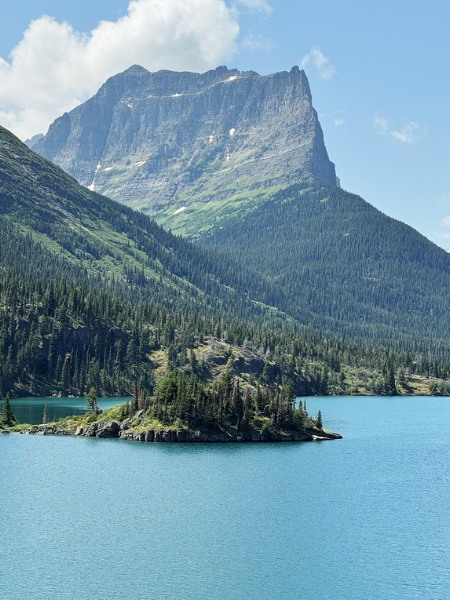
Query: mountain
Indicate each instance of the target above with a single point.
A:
(90, 237)
(238, 162)
(192, 148)
(337, 263)
(33, 141)
(93, 294)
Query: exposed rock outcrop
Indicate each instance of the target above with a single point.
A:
(212, 435)
(165, 141)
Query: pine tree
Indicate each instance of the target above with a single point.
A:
(7, 415)
(91, 400)
(193, 361)
(319, 420)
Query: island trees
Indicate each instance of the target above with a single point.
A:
(182, 398)
(91, 400)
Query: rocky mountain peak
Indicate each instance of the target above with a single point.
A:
(171, 142)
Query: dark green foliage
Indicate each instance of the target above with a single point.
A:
(86, 338)
(90, 289)
(319, 420)
(335, 262)
(390, 387)
(439, 389)
(52, 227)
(7, 416)
(184, 398)
(91, 400)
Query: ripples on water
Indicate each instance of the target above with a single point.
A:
(366, 517)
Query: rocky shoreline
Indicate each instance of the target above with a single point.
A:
(116, 430)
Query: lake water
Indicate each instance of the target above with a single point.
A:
(366, 517)
(31, 410)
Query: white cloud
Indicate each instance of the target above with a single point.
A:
(320, 62)
(446, 221)
(411, 133)
(339, 122)
(259, 5)
(381, 125)
(408, 134)
(54, 67)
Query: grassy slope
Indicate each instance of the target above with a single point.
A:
(107, 240)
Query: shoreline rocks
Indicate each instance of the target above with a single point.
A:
(115, 430)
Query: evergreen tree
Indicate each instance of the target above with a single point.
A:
(390, 387)
(319, 420)
(7, 415)
(193, 361)
(91, 400)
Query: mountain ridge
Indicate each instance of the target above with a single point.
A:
(170, 142)
(376, 279)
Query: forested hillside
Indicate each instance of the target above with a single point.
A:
(93, 294)
(57, 337)
(89, 238)
(335, 262)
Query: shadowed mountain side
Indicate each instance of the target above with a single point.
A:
(87, 237)
(343, 266)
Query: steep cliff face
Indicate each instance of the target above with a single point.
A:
(192, 148)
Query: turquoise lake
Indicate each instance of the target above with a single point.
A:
(31, 410)
(363, 518)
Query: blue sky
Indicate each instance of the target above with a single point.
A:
(379, 76)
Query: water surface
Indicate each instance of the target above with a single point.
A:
(31, 410)
(366, 517)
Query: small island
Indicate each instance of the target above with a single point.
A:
(182, 410)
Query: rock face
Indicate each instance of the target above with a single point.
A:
(171, 143)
